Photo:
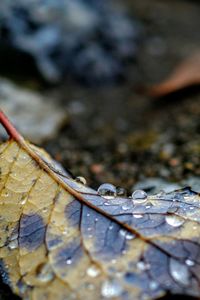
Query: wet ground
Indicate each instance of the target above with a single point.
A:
(118, 135)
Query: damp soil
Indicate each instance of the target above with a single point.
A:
(118, 135)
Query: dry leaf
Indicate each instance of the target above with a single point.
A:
(61, 239)
(186, 74)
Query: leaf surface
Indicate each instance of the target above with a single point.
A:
(61, 239)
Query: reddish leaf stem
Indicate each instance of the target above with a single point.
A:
(12, 132)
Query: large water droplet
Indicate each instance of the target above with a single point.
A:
(81, 180)
(179, 272)
(107, 191)
(45, 273)
(93, 271)
(111, 288)
(139, 196)
(174, 221)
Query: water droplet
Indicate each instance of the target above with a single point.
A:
(6, 194)
(111, 288)
(174, 221)
(23, 201)
(139, 196)
(93, 271)
(128, 235)
(153, 285)
(110, 227)
(45, 209)
(172, 209)
(189, 262)
(126, 206)
(148, 205)
(179, 272)
(107, 191)
(81, 180)
(113, 261)
(65, 231)
(137, 216)
(121, 192)
(13, 244)
(142, 266)
(68, 261)
(88, 215)
(45, 273)
(96, 219)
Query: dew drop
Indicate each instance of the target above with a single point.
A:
(45, 209)
(93, 271)
(45, 273)
(13, 244)
(174, 221)
(139, 196)
(189, 262)
(128, 235)
(121, 192)
(153, 285)
(142, 266)
(172, 209)
(126, 206)
(81, 180)
(111, 288)
(179, 272)
(68, 261)
(148, 205)
(137, 216)
(113, 261)
(6, 194)
(23, 201)
(107, 191)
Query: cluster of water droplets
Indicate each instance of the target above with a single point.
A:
(109, 191)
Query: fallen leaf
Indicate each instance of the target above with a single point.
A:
(186, 74)
(37, 117)
(61, 239)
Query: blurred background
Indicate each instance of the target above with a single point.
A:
(75, 76)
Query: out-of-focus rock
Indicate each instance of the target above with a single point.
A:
(35, 117)
(91, 39)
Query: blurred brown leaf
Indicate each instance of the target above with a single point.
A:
(186, 74)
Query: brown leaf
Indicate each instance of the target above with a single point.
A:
(61, 239)
(186, 74)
